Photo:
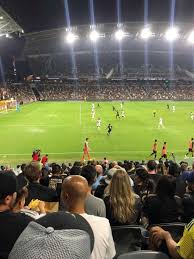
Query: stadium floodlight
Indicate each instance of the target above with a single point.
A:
(191, 38)
(172, 34)
(71, 37)
(119, 35)
(1, 17)
(146, 33)
(94, 36)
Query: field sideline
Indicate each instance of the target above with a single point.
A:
(59, 129)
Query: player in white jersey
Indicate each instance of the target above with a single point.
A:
(123, 114)
(93, 114)
(98, 123)
(93, 106)
(121, 106)
(161, 125)
(192, 116)
(173, 108)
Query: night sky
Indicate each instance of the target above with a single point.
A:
(36, 15)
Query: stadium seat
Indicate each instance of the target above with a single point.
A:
(144, 255)
(127, 238)
(176, 229)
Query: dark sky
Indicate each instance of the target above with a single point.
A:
(35, 15)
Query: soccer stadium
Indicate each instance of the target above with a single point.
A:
(97, 129)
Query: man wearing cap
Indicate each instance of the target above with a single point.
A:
(188, 200)
(11, 224)
(74, 193)
(59, 235)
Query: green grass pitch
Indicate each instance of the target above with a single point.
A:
(60, 128)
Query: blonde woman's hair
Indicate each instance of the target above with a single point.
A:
(122, 198)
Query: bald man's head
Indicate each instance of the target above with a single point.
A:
(74, 188)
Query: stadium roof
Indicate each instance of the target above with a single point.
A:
(7, 24)
(37, 15)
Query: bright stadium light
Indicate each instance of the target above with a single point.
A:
(172, 34)
(71, 37)
(94, 36)
(119, 35)
(191, 38)
(146, 33)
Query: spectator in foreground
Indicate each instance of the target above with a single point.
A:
(18, 206)
(188, 200)
(74, 191)
(93, 205)
(183, 249)
(123, 206)
(35, 189)
(99, 171)
(164, 206)
(37, 241)
(11, 224)
(143, 184)
(152, 166)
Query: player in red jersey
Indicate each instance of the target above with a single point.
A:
(164, 151)
(86, 150)
(44, 160)
(190, 147)
(154, 149)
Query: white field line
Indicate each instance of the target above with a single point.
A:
(93, 152)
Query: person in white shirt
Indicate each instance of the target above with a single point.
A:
(161, 125)
(93, 114)
(173, 108)
(74, 194)
(98, 123)
(123, 114)
(93, 106)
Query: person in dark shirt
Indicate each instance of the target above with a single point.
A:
(188, 200)
(11, 224)
(123, 206)
(143, 185)
(163, 207)
(21, 179)
(35, 189)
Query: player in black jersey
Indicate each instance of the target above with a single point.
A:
(109, 129)
(117, 114)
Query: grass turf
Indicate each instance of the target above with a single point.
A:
(60, 128)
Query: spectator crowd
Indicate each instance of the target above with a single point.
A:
(71, 211)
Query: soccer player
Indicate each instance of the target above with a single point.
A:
(113, 108)
(164, 151)
(17, 107)
(117, 114)
(93, 106)
(190, 148)
(123, 114)
(98, 123)
(168, 107)
(98, 105)
(173, 108)
(154, 149)
(86, 150)
(109, 129)
(154, 113)
(192, 116)
(121, 105)
(93, 114)
(161, 125)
